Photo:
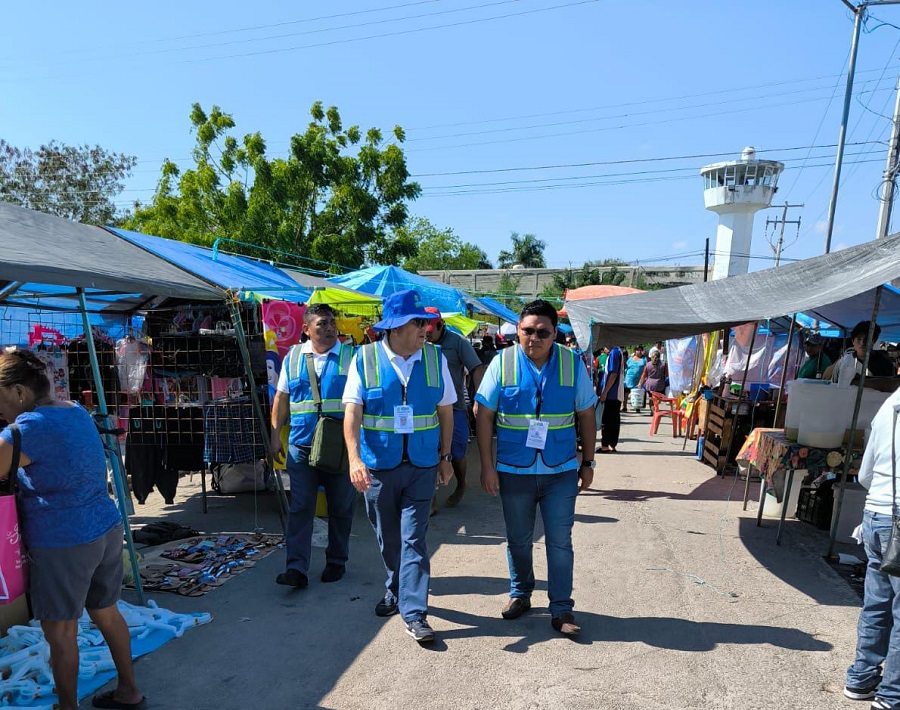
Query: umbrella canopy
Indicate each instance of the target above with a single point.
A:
(385, 280)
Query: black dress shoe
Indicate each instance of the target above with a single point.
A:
(332, 573)
(292, 578)
(565, 624)
(515, 607)
(387, 606)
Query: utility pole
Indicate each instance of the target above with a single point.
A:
(859, 13)
(783, 221)
(706, 262)
(888, 186)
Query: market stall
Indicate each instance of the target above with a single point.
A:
(53, 266)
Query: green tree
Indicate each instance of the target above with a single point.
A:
(590, 274)
(508, 290)
(439, 248)
(76, 182)
(335, 199)
(527, 251)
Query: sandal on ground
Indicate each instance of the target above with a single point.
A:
(108, 700)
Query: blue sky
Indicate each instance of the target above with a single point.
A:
(492, 85)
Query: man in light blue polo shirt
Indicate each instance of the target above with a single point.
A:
(541, 398)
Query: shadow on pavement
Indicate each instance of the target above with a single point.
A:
(659, 632)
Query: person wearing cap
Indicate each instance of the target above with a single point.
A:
(541, 399)
(398, 425)
(461, 357)
(324, 361)
(817, 360)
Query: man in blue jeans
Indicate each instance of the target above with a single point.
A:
(326, 360)
(875, 672)
(542, 398)
(398, 428)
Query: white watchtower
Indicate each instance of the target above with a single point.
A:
(736, 191)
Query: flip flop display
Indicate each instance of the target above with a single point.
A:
(197, 565)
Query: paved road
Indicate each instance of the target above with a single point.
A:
(683, 601)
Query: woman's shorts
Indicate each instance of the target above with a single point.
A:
(66, 580)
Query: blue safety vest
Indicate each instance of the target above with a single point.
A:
(304, 413)
(522, 399)
(380, 447)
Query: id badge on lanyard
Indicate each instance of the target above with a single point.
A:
(537, 429)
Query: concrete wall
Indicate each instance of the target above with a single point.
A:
(532, 281)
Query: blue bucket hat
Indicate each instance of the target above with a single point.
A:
(400, 308)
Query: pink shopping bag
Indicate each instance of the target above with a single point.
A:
(13, 566)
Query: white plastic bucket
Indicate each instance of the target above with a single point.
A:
(799, 392)
(637, 398)
(825, 415)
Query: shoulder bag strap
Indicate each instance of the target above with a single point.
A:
(14, 464)
(894, 509)
(314, 382)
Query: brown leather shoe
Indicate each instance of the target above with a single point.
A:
(565, 624)
(515, 607)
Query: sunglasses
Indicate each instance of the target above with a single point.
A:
(420, 322)
(540, 333)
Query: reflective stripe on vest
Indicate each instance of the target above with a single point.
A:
(509, 373)
(329, 406)
(420, 423)
(431, 358)
(520, 421)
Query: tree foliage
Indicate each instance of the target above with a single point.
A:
(588, 275)
(439, 248)
(527, 251)
(76, 182)
(335, 199)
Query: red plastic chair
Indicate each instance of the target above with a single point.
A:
(665, 407)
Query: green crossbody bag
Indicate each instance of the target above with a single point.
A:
(328, 451)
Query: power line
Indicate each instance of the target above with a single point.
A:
(765, 107)
(506, 129)
(169, 50)
(397, 33)
(639, 103)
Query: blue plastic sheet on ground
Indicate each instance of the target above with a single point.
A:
(25, 653)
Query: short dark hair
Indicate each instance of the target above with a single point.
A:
(540, 307)
(862, 329)
(319, 310)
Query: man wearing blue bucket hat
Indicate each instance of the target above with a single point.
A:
(398, 425)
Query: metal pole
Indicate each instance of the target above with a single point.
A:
(706, 262)
(235, 311)
(848, 454)
(842, 134)
(781, 238)
(784, 368)
(112, 446)
(890, 175)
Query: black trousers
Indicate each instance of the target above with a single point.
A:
(612, 423)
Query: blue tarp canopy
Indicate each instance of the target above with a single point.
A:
(44, 259)
(230, 272)
(385, 280)
(495, 308)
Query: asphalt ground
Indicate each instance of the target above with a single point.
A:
(683, 601)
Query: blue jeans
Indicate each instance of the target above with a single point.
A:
(340, 496)
(555, 493)
(878, 643)
(398, 503)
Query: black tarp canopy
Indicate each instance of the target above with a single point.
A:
(837, 287)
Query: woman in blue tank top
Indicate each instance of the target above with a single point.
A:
(70, 525)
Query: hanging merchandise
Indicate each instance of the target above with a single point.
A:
(132, 358)
(57, 371)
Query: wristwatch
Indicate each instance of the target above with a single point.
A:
(588, 464)
(447, 457)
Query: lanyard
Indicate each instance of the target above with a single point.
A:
(539, 382)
